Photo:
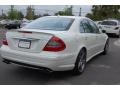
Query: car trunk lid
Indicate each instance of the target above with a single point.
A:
(28, 40)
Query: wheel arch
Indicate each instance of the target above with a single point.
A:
(75, 69)
(81, 48)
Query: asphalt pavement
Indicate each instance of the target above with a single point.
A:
(101, 70)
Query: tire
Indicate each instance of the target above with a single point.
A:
(80, 63)
(17, 27)
(106, 47)
(118, 36)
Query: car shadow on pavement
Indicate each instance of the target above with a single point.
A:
(43, 77)
(33, 72)
(36, 76)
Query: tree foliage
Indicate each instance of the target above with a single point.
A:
(46, 14)
(14, 14)
(30, 13)
(37, 16)
(66, 12)
(20, 15)
(100, 12)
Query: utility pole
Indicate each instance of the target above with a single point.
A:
(2, 11)
(2, 14)
(80, 11)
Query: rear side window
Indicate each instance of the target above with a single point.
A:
(87, 27)
(109, 23)
(81, 27)
(93, 27)
(51, 23)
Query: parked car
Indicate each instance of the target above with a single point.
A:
(3, 22)
(111, 27)
(55, 43)
(23, 24)
(13, 24)
(98, 22)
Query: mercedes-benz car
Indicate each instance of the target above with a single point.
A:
(55, 43)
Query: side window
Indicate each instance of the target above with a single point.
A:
(93, 26)
(81, 27)
(96, 28)
(86, 27)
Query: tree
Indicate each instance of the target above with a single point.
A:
(30, 13)
(60, 13)
(37, 16)
(66, 12)
(20, 15)
(100, 12)
(12, 13)
(90, 15)
(46, 14)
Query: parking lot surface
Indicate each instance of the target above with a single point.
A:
(103, 69)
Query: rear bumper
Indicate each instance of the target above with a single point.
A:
(27, 65)
(116, 32)
(52, 61)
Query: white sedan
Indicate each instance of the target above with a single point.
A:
(111, 27)
(55, 43)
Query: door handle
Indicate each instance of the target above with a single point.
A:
(97, 37)
(86, 38)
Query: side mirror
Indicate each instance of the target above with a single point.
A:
(103, 31)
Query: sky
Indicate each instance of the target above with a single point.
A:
(51, 9)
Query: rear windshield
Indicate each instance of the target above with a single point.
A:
(51, 23)
(109, 23)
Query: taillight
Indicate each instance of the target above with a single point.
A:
(116, 28)
(55, 44)
(5, 42)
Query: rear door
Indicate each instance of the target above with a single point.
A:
(90, 38)
(100, 39)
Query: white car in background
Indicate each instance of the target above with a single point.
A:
(98, 22)
(55, 43)
(3, 22)
(111, 27)
(24, 23)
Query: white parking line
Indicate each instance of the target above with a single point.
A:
(101, 66)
